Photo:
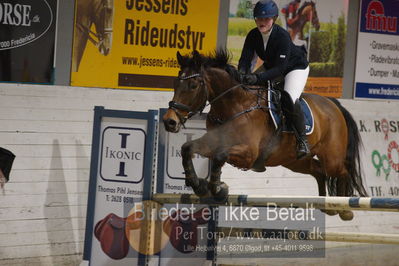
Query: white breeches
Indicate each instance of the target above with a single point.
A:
(295, 82)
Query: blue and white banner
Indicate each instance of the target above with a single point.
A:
(377, 63)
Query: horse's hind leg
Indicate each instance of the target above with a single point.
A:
(322, 174)
(343, 190)
(313, 167)
(319, 173)
(339, 182)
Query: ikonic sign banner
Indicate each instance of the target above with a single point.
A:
(121, 176)
(122, 154)
(377, 64)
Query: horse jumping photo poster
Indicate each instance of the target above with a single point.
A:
(319, 25)
(133, 44)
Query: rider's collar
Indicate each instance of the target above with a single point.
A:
(267, 34)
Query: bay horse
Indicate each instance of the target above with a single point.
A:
(240, 128)
(307, 12)
(99, 12)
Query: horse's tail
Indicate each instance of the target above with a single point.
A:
(352, 161)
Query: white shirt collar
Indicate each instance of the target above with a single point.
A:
(265, 37)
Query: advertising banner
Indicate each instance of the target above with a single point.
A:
(133, 44)
(120, 187)
(319, 25)
(27, 40)
(379, 129)
(377, 62)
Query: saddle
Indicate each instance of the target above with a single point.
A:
(278, 112)
(111, 232)
(182, 229)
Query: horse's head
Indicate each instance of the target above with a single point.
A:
(190, 92)
(308, 12)
(314, 17)
(103, 20)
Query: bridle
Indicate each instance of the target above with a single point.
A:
(178, 107)
(97, 38)
(313, 17)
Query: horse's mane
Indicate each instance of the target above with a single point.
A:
(219, 58)
(305, 4)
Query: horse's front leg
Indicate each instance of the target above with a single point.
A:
(241, 156)
(200, 186)
(219, 190)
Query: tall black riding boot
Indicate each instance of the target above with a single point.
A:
(298, 121)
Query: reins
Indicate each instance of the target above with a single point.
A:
(176, 107)
(91, 35)
(252, 108)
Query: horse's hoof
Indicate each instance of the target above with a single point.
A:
(214, 188)
(330, 212)
(259, 166)
(346, 215)
(201, 190)
(220, 192)
(258, 169)
(192, 182)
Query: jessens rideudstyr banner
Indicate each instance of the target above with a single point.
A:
(133, 44)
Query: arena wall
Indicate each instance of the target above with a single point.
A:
(49, 128)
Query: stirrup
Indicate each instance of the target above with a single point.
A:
(302, 149)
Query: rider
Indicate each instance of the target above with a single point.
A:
(290, 12)
(282, 58)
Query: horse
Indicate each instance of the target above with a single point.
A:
(307, 12)
(240, 128)
(99, 12)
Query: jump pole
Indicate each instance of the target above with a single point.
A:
(326, 203)
(371, 238)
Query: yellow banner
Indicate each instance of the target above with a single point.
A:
(145, 38)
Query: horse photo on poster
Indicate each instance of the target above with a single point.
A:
(101, 14)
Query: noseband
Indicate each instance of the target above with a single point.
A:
(96, 38)
(177, 107)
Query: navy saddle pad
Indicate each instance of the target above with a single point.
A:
(277, 120)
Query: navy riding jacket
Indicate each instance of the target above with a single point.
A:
(280, 57)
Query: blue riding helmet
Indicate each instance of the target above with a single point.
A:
(265, 9)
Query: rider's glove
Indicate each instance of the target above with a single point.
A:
(250, 79)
